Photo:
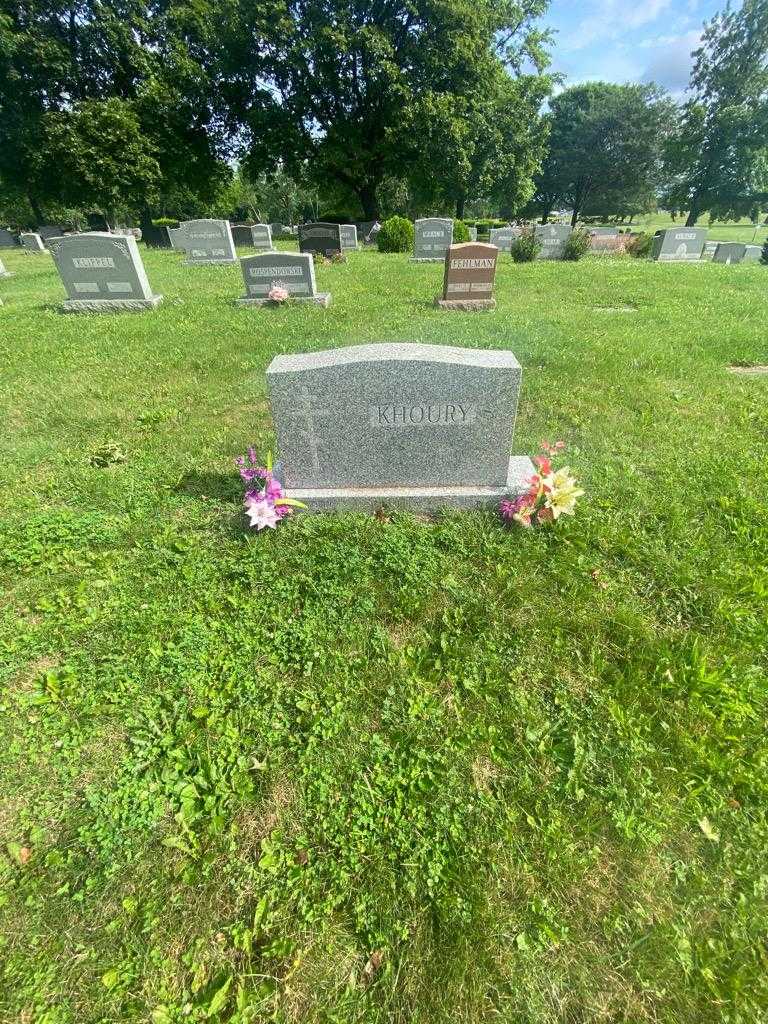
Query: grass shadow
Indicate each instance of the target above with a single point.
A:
(220, 486)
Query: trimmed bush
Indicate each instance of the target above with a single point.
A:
(577, 245)
(526, 248)
(460, 231)
(640, 247)
(396, 235)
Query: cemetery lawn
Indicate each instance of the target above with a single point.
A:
(390, 770)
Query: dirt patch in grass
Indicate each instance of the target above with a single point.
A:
(749, 371)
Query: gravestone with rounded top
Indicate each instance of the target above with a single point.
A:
(31, 242)
(7, 239)
(678, 245)
(424, 426)
(503, 238)
(470, 270)
(207, 241)
(293, 271)
(320, 237)
(102, 273)
(431, 238)
(552, 238)
(348, 237)
(261, 238)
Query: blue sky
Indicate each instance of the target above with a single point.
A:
(624, 41)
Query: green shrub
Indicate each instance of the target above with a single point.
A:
(526, 248)
(460, 231)
(764, 254)
(577, 245)
(640, 246)
(165, 222)
(396, 235)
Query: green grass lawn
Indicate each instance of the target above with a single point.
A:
(392, 769)
(732, 231)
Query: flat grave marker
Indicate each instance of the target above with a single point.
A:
(424, 426)
(294, 271)
(470, 270)
(102, 273)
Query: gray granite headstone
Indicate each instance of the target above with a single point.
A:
(472, 233)
(176, 238)
(348, 237)
(47, 231)
(432, 236)
(503, 238)
(708, 252)
(208, 241)
(752, 253)
(31, 242)
(552, 238)
(678, 245)
(320, 236)
(7, 239)
(102, 273)
(294, 271)
(418, 425)
(241, 235)
(156, 236)
(261, 237)
(729, 252)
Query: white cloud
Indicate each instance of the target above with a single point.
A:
(670, 61)
(609, 20)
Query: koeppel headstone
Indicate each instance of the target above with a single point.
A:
(470, 270)
(31, 242)
(102, 273)
(320, 237)
(678, 245)
(207, 241)
(552, 238)
(424, 426)
(729, 252)
(503, 238)
(431, 238)
(348, 237)
(294, 271)
(7, 239)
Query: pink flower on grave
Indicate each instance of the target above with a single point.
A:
(262, 513)
(551, 493)
(264, 499)
(277, 293)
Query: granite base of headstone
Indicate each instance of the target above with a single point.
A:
(420, 426)
(470, 270)
(431, 238)
(293, 271)
(102, 273)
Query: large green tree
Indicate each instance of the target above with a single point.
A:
(715, 161)
(354, 89)
(606, 143)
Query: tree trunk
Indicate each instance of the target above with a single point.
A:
(367, 196)
(545, 215)
(693, 215)
(574, 216)
(460, 204)
(36, 210)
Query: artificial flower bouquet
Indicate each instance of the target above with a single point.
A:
(552, 492)
(264, 500)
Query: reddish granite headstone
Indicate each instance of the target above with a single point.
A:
(470, 269)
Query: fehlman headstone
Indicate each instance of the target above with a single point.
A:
(676, 245)
(294, 271)
(418, 425)
(470, 270)
(321, 237)
(207, 241)
(552, 238)
(432, 236)
(102, 273)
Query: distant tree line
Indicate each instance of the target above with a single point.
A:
(287, 109)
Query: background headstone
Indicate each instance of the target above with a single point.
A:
(50, 231)
(102, 273)
(503, 238)
(3, 271)
(729, 252)
(7, 239)
(752, 253)
(472, 233)
(294, 271)
(241, 236)
(552, 238)
(98, 222)
(708, 252)
(31, 242)
(432, 236)
(348, 237)
(470, 270)
(674, 245)
(156, 237)
(176, 238)
(208, 241)
(320, 236)
(261, 237)
(420, 425)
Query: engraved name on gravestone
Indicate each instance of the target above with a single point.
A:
(431, 238)
(470, 270)
(674, 245)
(208, 241)
(552, 238)
(102, 273)
(420, 425)
(348, 237)
(320, 237)
(31, 242)
(294, 271)
(7, 239)
(503, 238)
